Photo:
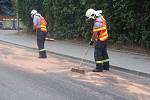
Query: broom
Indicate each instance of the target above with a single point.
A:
(49, 39)
(78, 68)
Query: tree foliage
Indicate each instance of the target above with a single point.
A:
(128, 20)
(24, 9)
(6, 8)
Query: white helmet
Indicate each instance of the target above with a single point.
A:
(90, 13)
(33, 12)
(98, 12)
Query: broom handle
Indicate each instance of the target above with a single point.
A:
(83, 57)
(34, 43)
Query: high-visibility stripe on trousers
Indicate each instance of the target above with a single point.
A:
(42, 50)
(102, 61)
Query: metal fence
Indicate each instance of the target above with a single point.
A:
(10, 24)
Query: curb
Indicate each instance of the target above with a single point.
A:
(88, 61)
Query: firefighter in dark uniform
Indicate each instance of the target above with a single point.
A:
(39, 26)
(100, 37)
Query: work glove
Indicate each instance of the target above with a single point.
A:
(91, 42)
(33, 30)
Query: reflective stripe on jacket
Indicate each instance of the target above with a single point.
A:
(43, 24)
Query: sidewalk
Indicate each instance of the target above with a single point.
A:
(134, 63)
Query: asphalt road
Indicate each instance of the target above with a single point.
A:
(25, 77)
(20, 85)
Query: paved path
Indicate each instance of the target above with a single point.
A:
(127, 61)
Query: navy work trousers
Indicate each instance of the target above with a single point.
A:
(101, 55)
(40, 43)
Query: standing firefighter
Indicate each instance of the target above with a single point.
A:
(100, 37)
(39, 26)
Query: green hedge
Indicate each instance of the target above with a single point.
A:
(128, 21)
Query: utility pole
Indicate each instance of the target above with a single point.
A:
(17, 13)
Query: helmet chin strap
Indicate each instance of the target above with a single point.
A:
(32, 16)
(93, 17)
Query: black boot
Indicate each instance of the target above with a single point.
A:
(99, 68)
(42, 54)
(106, 66)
